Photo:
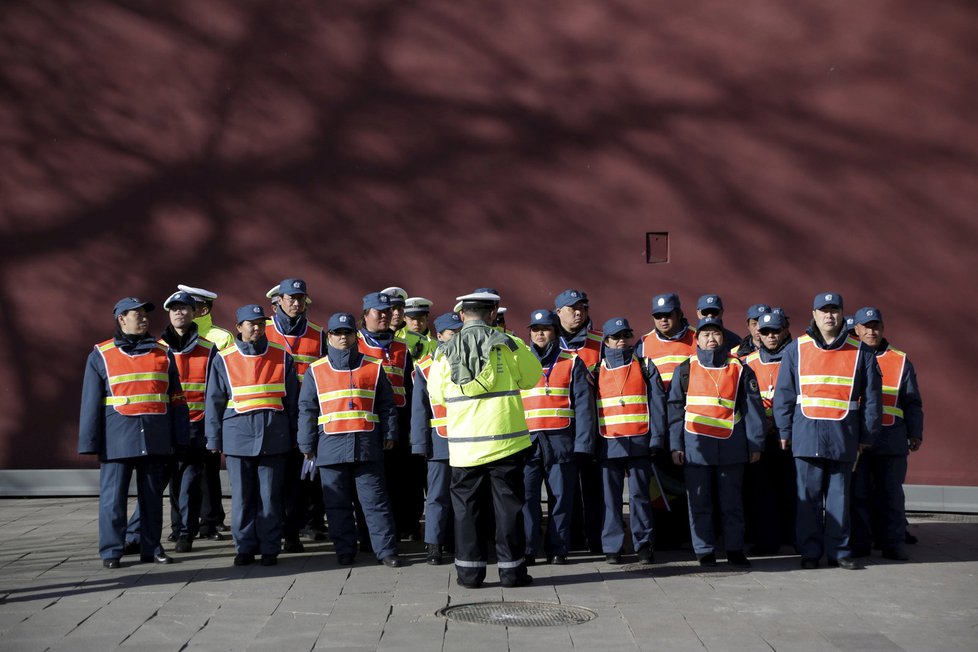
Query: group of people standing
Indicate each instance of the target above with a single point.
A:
(460, 421)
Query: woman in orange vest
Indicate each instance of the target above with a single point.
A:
(133, 414)
(631, 412)
(250, 415)
(716, 425)
(347, 420)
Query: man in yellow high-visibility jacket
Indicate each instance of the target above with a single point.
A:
(478, 380)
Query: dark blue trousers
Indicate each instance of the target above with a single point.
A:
(341, 482)
(726, 482)
(114, 477)
(438, 504)
(257, 490)
(822, 525)
(561, 482)
(639, 503)
(878, 502)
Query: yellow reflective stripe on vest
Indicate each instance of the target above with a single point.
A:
(678, 359)
(390, 369)
(245, 390)
(509, 435)
(892, 391)
(437, 422)
(400, 391)
(350, 414)
(193, 387)
(713, 421)
(304, 359)
(893, 411)
(622, 418)
(128, 378)
(137, 398)
(711, 402)
(810, 401)
(549, 412)
(192, 405)
(545, 391)
(346, 393)
(622, 400)
(271, 402)
(370, 358)
(666, 376)
(826, 380)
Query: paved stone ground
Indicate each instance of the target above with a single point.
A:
(55, 595)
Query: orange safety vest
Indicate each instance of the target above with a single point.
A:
(891, 362)
(138, 384)
(548, 405)
(257, 381)
(666, 355)
(347, 396)
(711, 399)
(192, 367)
(590, 351)
(439, 415)
(826, 379)
(623, 401)
(394, 361)
(305, 348)
(767, 378)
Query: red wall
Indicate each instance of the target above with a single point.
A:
(788, 148)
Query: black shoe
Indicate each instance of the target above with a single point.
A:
(158, 558)
(530, 560)
(434, 554)
(111, 562)
(292, 544)
(131, 548)
(808, 564)
(211, 536)
(848, 563)
(391, 561)
(522, 580)
(858, 553)
(737, 558)
(184, 544)
(909, 538)
(268, 560)
(171, 537)
(895, 555)
(244, 559)
(709, 559)
(645, 555)
(345, 560)
(476, 585)
(221, 527)
(614, 559)
(557, 560)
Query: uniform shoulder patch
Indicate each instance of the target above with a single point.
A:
(753, 385)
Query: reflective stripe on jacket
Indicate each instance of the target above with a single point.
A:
(548, 405)
(192, 367)
(439, 420)
(711, 398)
(622, 401)
(826, 378)
(257, 381)
(891, 362)
(346, 397)
(139, 384)
(666, 355)
(394, 360)
(305, 348)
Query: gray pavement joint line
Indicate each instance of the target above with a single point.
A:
(82, 621)
(383, 630)
(282, 599)
(695, 633)
(186, 643)
(349, 573)
(129, 635)
(767, 643)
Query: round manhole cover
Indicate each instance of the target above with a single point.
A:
(518, 614)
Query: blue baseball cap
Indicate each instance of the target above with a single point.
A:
(665, 303)
(377, 301)
(771, 320)
(543, 317)
(709, 302)
(292, 286)
(867, 314)
(569, 298)
(179, 297)
(709, 322)
(827, 299)
(615, 325)
(758, 309)
(341, 321)
(251, 312)
(131, 303)
(449, 321)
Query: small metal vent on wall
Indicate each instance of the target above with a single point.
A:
(657, 247)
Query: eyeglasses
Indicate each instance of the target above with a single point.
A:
(292, 298)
